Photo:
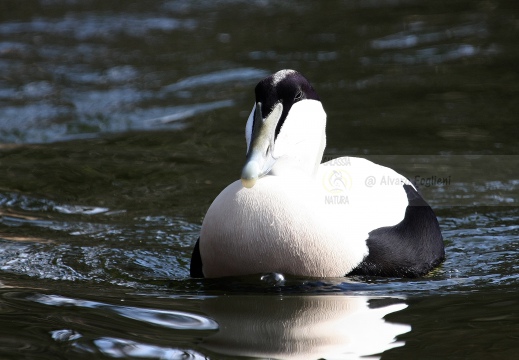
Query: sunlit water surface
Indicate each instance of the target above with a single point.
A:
(119, 123)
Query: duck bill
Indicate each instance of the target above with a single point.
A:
(259, 160)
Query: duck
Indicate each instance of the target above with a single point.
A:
(291, 213)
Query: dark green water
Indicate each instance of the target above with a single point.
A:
(121, 121)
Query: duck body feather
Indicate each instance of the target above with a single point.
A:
(274, 228)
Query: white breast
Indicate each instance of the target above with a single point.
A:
(282, 224)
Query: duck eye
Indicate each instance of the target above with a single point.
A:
(298, 96)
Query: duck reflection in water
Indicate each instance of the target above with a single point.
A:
(303, 326)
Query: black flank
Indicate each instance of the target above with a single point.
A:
(411, 248)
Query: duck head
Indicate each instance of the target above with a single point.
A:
(285, 131)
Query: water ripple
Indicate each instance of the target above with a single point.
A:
(122, 348)
(170, 319)
(91, 26)
(419, 33)
(218, 77)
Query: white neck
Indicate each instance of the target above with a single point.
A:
(300, 144)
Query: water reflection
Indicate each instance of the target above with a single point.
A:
(265, 326)
(302, 327)
(166, 318)
(121, 348)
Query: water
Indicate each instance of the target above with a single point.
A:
(120, 122)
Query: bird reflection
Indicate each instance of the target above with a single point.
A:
(303, 327)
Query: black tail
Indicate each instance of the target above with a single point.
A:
(195, 269)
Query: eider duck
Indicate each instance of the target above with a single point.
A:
(291, 214)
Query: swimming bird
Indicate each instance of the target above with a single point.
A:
(291, 214)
